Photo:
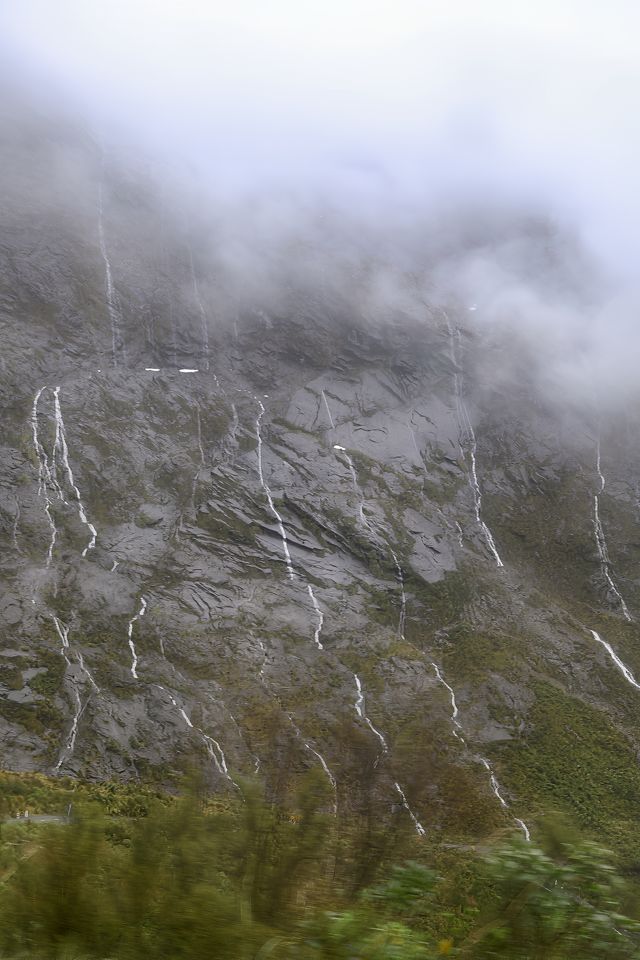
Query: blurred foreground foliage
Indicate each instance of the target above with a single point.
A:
(196, 877)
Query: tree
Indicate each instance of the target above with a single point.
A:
(554, 908)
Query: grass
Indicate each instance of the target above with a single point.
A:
(39, 793)
(573, 759)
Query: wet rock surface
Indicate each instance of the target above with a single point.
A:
(297, 510)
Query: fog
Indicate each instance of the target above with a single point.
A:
(427, 137)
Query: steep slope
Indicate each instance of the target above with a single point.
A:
(304, 535)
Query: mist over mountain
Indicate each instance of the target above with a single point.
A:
(321, 436)
(427, 151)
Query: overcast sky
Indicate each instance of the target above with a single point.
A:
(389, 109)
(537, 101)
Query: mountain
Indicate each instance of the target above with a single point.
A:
(273, 527)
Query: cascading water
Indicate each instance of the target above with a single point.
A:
(468, 442)
(365, 522)
(61, 446)
(601, 543)
(420, 830)
(316, 753)
(199, 435)
(457, 732)
(359, 702)
(201, 310)
(359, 707)
(323, 763)
(113, 305)
(283, 533)
(213, 748)
(412, 434)
(403, 597)
(456, 725)
(196, 476)
(70, 743)
(326, 406)
(360, 710)
(14, 527)
(256, 759)
(319, 615)
(624, 670)
(48, 481)
(272, 507)
(235, 423)
(134, 656)
(495, 786)
(45, 477)
(63, 632)
(356, 486)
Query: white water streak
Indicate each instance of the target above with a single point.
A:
(601, 543)
(323, 763)
(215, 751)
(497, 790)
(263, 650)
(320, 616)
(113, 305)
(203, 315)
(235, 423)
(256, 759)
(495, 786)
(403, 597)
(356, 486)
(194, 482)
(70, 744)
(134, 656)
(363, 519)
(86, 672)
(69, 747)
(330, 777)
(326, 406)
(624, 670)
(468, 440)
(420, 830)
(45, 477)
(456, 725)
(63, 632)
(414, 441)
(457, 732)
(14, 528)
(359, 707)
(272, 507)
(61, 445)
(478, 505)
(199, 432)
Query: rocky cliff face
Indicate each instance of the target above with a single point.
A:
(272, 539)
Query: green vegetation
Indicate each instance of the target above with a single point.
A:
(573, 758)
(191, 877)
(41, 794)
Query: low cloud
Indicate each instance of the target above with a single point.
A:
(393, 154)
